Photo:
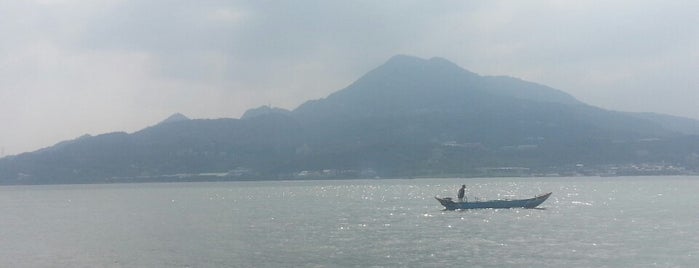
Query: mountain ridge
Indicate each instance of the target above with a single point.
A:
(408, 117)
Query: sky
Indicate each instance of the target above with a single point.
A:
(70, 68)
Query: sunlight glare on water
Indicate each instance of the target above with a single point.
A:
(587, 222)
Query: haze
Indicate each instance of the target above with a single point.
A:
(69, 68)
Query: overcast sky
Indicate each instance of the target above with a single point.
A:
(70, 67)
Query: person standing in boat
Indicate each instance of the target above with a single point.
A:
(462, 192)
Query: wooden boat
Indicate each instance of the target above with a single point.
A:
(450, 204)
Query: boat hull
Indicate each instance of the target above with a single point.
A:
(449, 204)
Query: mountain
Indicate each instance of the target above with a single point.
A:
(263, 111)
(174, 118)
(679, 124)
(408, 117)
(409, 84)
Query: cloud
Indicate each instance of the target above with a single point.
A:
(71, 67)
(604, 52)
(257, 43)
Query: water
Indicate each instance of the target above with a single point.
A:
(588, 222)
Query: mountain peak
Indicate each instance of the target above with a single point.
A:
(402, 58)
(416, 73)
(400, 84)
(177, 117)
(411, 67)
(264, 110)
(407, 61)
(408, 84)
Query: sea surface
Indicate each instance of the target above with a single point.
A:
(587, 222)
